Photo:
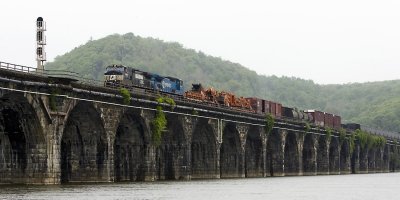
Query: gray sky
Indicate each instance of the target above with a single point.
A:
(337, 41)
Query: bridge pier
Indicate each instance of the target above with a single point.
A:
(371, 160)
(310, 154)
(386, 159)
(345, 157)
(323, 155)
(379, 160)
(355, 160)
(334, 156)
(363, 160)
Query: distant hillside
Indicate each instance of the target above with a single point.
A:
(376, 104)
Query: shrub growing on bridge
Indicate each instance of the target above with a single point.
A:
(52, 102)
(342, 136)
(369, 141)
(352, 143)
(167, 100)
(328, 134)
(126, 96)
(380, 141)
(158, 125)
(269, 123)
(362, 138)
(52, 99)
(307, 127)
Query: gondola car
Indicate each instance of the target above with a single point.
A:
(261, 106)
(122, 76)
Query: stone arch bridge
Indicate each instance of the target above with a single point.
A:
(53, 131)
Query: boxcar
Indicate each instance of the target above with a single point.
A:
(318, 117)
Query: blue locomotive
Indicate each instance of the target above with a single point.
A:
(122, 76)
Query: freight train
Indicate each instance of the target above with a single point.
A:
(128, 77)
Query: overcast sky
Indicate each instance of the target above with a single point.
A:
(338, 41)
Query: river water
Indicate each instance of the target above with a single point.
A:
(340, 187)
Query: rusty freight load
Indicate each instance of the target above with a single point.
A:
(245, 103)
(200, 94)
(230, 100)
(197, 93)
(212, 96)
(225, 99)
(256, 104)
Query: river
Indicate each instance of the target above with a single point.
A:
(339, 187)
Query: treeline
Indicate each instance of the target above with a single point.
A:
(376, 104)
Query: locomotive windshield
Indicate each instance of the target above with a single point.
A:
(114, 70)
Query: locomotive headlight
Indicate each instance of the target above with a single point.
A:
(114, 77)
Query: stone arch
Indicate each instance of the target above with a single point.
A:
(253, 153)
(334, 154)
(309, 155)
(292, 157)
(274, 154)
(393, 162)
(323, 155)
(204, 160)
(22, 141)
(84, 147)
(345, 157)
(355, 159)
(173, 159)
(231, 154)
(131, 141)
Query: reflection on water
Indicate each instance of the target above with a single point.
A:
(357, 187)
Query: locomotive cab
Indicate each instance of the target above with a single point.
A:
(116, 75)
(119, 75)
(138, 78)
(173, 85)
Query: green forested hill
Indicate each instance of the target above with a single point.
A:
(375, 104)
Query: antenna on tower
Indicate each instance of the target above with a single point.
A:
(41, 42)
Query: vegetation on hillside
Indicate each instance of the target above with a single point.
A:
(376, 104)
